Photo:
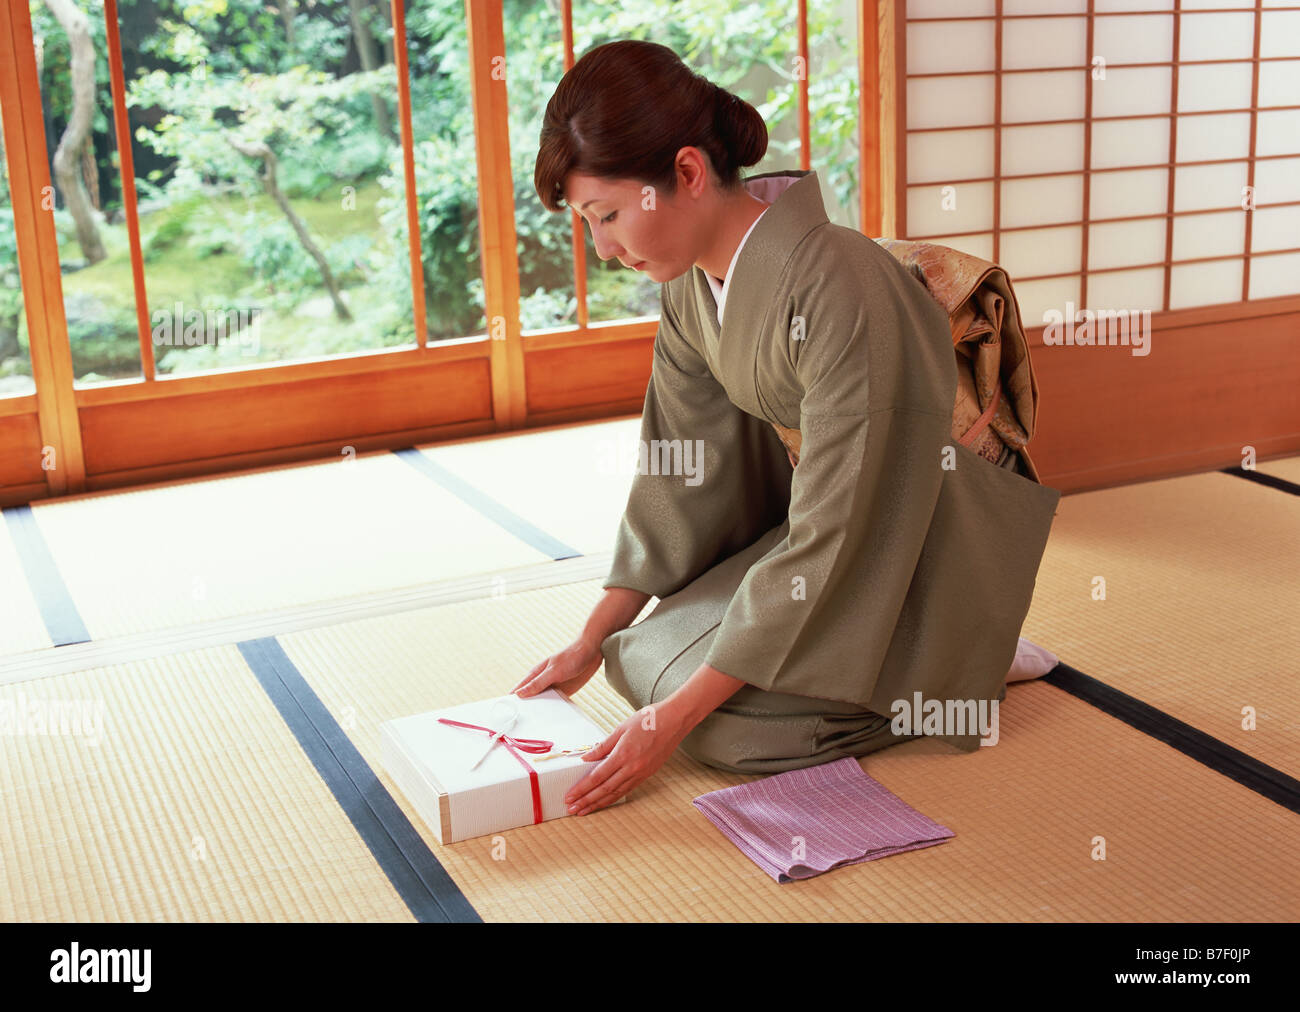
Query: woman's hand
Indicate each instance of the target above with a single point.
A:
(631, 754)
(568, 670)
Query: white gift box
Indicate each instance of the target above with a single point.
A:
(430, 763)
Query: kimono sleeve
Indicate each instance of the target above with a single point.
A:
(816, 615)
(710, 480)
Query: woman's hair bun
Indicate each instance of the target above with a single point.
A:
(626, 108)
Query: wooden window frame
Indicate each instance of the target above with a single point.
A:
(156, 429)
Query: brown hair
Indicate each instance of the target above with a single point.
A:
(626, 108)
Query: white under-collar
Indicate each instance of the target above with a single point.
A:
(720, 290)
(767, 189)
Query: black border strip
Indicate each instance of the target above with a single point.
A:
(489, 507)
(1272, 481)
(1205, 749)
(58, 611)
(422, 882)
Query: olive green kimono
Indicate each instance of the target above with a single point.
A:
(891, 560)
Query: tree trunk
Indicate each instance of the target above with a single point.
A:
(68, 153)
(90, 173)
(9, 346)
(369, 61)
(8, 324)
(260, 150)
(286, 16)
(386, 13)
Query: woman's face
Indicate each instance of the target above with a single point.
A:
(643, 228)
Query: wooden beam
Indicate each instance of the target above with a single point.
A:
(487, 61)
(38, 253)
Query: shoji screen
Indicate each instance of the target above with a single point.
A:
(1110, 154)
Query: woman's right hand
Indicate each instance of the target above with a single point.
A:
(568, 670)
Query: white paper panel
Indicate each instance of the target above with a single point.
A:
(947, 46)
(1119, 243)
(1279, 32)
(1209, 235)
(950, 8)
(1044, 6)
(1134, 39)
(1142, 289)
(1217, 37)
(1057, 94)
(1191, 5)
(1273, 276)
(1055, 148)
(976, 245)
(1042, 251)
(1131, 91)
(1203, 138)
(950, 101)
(1042, 201)
(1044, 42)
(1214, 86)
(1119, 194)
(1130, 142)
(1036, 297)
(945, 155)
(1205, 284)
(973, 211)
(1200, 186)
(1279, 83)
(1275, 228)
(1277, 181)
(1133, 5)
(1277, 132)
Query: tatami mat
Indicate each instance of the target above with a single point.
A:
(1182, 842)
(572, 482)
(205, 550)
(201, 804)
(197, 804)
(1201, 599)
(21, 628)
(1284, 467)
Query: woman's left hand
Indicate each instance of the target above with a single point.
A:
(631, 754)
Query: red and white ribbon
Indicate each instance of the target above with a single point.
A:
(516, 745)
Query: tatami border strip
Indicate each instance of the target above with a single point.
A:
(1261, 778)
(33, 664)
(499, 514)
(58, 610)
(422, 882)
(1271, 480)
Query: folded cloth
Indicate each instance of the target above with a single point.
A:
(801, 823)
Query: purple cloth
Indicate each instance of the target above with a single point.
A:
(801, 823)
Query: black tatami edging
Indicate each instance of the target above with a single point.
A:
(417, 875)
(1204, 748)
(1271, 480)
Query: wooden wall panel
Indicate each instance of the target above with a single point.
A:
(222, 423)
(20, 450)
(1205, 391)
(615, 372)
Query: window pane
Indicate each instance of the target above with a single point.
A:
(750, 56)
(446, 179)
(15, 356)
(93, 250)
(270, 186)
